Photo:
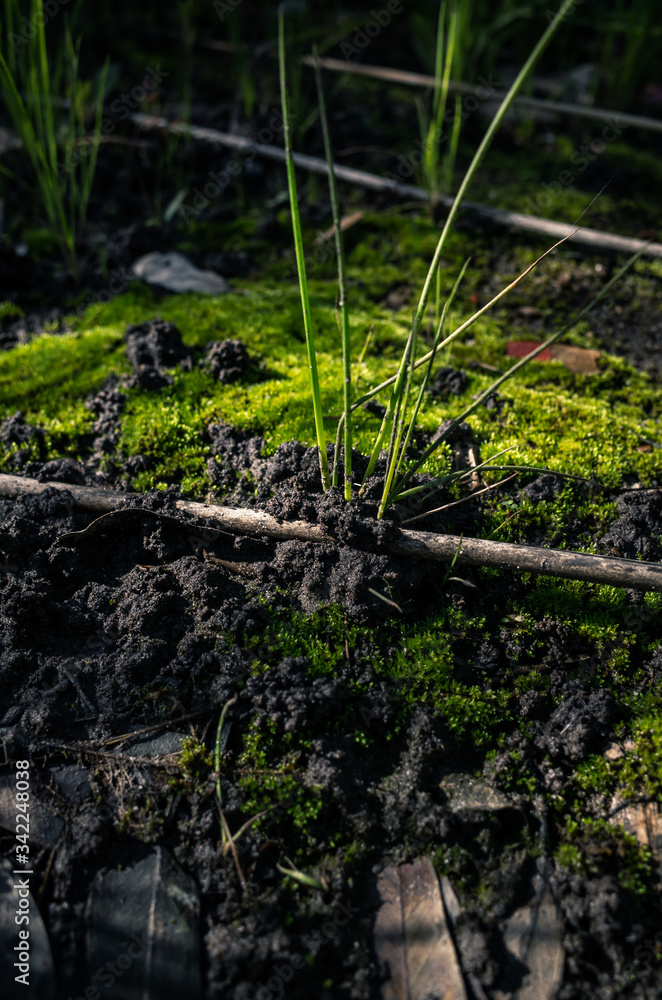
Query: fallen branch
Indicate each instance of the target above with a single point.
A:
(630, 573)
(514, 220)
(533, 103)
(409, 79)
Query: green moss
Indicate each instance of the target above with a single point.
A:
(271, 783)
(641, 770)
(49, 380)
(594, 847)
(9, 310)
(546, 405)
(196, 762)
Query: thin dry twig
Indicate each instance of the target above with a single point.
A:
(630, 573)
(361, 178)
(454, 503)
(233, 848)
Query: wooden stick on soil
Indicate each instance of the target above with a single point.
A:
(630, 573)
(518, 221)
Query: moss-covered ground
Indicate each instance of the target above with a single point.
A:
(605, 427)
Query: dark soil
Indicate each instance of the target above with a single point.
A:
(148, 617)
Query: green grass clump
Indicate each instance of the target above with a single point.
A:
(30, 82)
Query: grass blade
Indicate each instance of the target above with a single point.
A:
(426, 378)
(460, 329)
(479, 155)
(301, 263)
(516, 367)
(342, 300)
(399, 382)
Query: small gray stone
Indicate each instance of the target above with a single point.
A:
(73, 782)
(176, 273)
(466, 793)
(154, 746)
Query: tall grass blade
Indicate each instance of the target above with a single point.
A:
(428, 371)
(64, 188)
(301, 263)
(343, 303)
(479, 155)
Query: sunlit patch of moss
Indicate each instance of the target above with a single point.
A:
(53, 373)
(324, 638)
(595, 847)
(416, 661)
(590, 425)
(595, 775)
(546, 404)
(196, 762)
(9, 311)
(49, 380)
(641, 769)
(268, 777)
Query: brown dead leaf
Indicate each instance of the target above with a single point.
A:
(580, 360)
(412, 938)
(534, 935)
(641, 819)
(389, 934)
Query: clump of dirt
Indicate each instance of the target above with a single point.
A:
(16, 430)
(449, 382)
(227, 360)
(638, 530)
(151, 347)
